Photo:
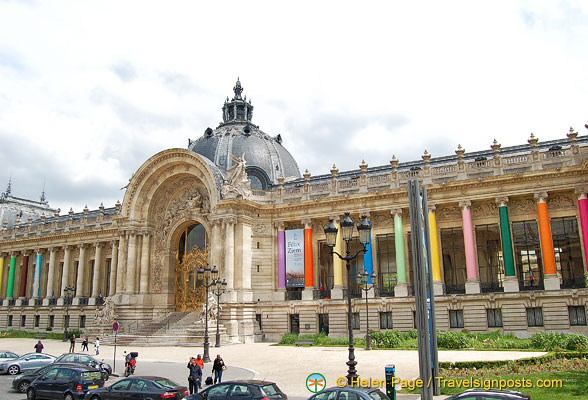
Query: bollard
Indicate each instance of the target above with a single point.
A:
(390, 371)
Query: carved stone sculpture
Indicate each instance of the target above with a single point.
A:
(237, 184)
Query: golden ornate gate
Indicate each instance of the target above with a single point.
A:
(189, 295)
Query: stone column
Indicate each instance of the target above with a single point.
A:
(131, 263)
(337, 290)
(472, 285)
(308, 292)
(37, 274)
(97, 272)
(511, 283)
(438, 286)
(216, 243)
(401, 288)
(550, 279)
(230, 253)
(66, 268)
(246, 294)
(51, 275)
(583, 208)
(144, 278)
(122, 245)
(81, 279)
(113, 269)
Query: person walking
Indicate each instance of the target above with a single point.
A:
(97, 346)
(200, 363)
(72, 343)
(195, 375)
(85, 344)
(218, 367)
(39, 347)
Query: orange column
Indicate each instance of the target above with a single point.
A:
(308, 267)
(545, 232)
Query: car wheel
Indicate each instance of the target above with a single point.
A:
(69, 396)
(23, 386)
(105, 375)
(31, 394)
(13, 369)
(95, 398)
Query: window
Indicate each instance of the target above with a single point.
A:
(387, 277)
(527, 253)
(494, 316)
(347, 395)
(52, 321)
(92, 269)
(323, 323)
(66, 321)
(258, 321)
(326, 395)
(325, 267)
(386, 320)
(357, 267)
(219, 391)
(454, 265)
(23, 320)
(37, 320)
(456, 318)
(240, 390)
(10, 320)
(122, 385)
(577, 315)
(490, 262)
(52, 374)
(567, 251)
(138, 386)
(294, 323)
(534, 316)
(108, 272)
(355, 320)
(377, 395)
(82, 321)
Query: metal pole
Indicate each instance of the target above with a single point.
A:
(368, 337)
(218, 295)
(351, 372)
(206, 357)
(114, 362)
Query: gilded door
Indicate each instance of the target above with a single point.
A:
(190, 295)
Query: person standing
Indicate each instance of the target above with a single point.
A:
(72, 343)
(200, 363)
(85, 344)
(218, 367)
(39, 347)
(97, 346)
(194, 376)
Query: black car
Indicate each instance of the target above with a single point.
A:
(65, 383)
(140, 387)
(21, 383)
(246, 390)
(474, 394)
(350, 393)
(84, 359)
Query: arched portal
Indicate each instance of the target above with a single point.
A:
(191, 255)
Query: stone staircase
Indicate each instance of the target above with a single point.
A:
(176, 329)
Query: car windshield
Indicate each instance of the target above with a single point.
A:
(270, 390)
(378, 395)
(91, 376)
(165, 383)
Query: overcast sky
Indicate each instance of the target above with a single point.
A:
(90, 90)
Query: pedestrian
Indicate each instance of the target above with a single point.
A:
(218, 367)
(85, 344)
(39, 347)
(195, 375)
(97, 346)
(200, 363)
(72, 343)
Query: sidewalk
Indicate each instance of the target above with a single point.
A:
(288, 366)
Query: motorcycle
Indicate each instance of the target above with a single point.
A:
(130, 363)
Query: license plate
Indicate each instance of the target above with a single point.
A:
(93, 387)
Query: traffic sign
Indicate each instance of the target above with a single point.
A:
(115, 326)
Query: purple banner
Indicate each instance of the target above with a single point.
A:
(281, 260)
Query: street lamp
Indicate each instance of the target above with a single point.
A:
(218, 290)
(363, 278)
(68, 293)
(364, 229)
(207, 274)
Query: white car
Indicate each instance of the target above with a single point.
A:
(25, 362)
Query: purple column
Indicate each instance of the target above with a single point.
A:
(583, 206)
(281, 259)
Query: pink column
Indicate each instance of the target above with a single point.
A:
(583, 206)
(468, 239)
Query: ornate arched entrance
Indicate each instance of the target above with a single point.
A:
(191, 255)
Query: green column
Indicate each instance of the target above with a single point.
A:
(506, 241)
(10, 287)
(399, 247)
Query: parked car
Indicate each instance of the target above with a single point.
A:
(25, 362)
(7, 355)
(84, 359)
(350, 393)
(21, 383)
(474, 394)
(140, 387)
(65, 383)
(246, 390)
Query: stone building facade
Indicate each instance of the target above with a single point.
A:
(509, 238)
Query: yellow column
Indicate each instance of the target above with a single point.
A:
(434, 240)
(337, 262)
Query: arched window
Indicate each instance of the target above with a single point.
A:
(258, 177)
(193, 235)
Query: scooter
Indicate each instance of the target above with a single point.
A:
(130, 362)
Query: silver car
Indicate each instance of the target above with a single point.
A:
(7, 355)
(25, 362)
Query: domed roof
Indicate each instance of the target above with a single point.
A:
(265, 156)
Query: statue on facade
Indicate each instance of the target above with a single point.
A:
(237, 184)
(104, 315)
(213, 309)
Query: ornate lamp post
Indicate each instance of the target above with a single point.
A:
(68, 293)
(218, 290)
(207, 274)
(363, 278)
(364, 230)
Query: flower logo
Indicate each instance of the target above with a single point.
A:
(316, 382)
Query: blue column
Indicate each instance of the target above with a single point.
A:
(37, 276)
(367, 260)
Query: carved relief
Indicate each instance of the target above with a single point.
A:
(261, 229)
(560, 201)
(485, 209)
(382, 220)
(521, 206)
(449, 212)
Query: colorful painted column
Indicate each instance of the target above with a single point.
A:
(281, 257)
(401, 288)
(438, 286)
(308, 265)
(472, 282)
(583, 206)
(24, 274)
(550, 280)
(1, 271)
(37, 275)
(11, 272)
(511, 283)
(368, 263)
(337, 262)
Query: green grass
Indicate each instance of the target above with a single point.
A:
(30, 335)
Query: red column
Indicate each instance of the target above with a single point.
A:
(308, 267)
(23, 276)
